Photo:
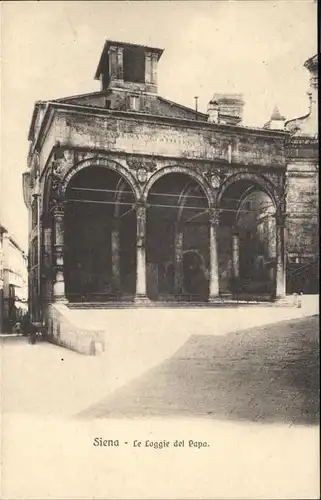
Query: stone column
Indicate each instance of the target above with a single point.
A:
(235, 255)
(120, 63)
(280, 285)
(178, 262)
(140, 295)
(115, 256)
(214, 272)
(116, 67)
(58, 264)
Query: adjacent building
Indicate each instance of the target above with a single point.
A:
(302, 192)
(135, 198)
(13, 281)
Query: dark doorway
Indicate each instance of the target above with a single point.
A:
(195, 281)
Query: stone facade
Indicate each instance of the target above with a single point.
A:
(302, 186)
(200, 172)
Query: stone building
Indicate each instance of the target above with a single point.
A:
(13, 281)
(302, 190)
(136, 198)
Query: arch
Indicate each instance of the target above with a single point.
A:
(179, 170)
(188, 189)
(195, 251)
(105, 163)
(120, 188)
(259, 180)
(100, 254)
(247, 193)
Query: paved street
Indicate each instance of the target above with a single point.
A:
(263, 374)
(259, 416)
(40, 378)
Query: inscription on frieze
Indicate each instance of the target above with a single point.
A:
(171, 142)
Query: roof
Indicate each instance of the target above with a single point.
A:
(38, 105)
(112, 43)
(96, 102)
(12, 238)
(311, 63)
(226, 97)
(181, 106)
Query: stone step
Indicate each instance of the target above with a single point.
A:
(167, 305)
(88, 328)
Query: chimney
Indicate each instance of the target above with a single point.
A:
(212, 111)
(229, 106)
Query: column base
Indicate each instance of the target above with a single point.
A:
(141, 298)
(214, 299)
(61, 299)
(287, 300)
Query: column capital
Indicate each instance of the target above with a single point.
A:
(140, 207)
(57, 209)
(235, 231)
(112, 48)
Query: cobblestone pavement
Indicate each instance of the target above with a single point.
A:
(266, 373)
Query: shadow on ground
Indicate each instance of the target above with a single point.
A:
(267, 374)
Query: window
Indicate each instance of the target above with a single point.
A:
(134, 64)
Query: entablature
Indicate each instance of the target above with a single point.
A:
(126, 133)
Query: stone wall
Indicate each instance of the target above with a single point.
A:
(62, 331)
(302, 199)
(302, 220)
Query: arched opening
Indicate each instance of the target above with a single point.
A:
(177, 248)
(100, 236)
(247, 240)
(195, 274)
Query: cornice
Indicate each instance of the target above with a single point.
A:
(166, 120)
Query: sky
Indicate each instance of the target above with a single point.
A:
(51, 50)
